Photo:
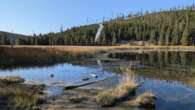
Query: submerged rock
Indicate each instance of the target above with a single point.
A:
(93, 75)
(85, 79)
(52, 75)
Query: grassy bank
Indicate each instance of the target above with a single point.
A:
(93, 49)
(11, 80)
(113, 96)
(120, 93)
(20, 96)
(48, 55)
(29, 56)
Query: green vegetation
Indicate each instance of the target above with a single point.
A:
(168, 27)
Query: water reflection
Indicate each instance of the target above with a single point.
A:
(171, 95)
(159, 59)
(179, 66)
(169, 75)
(61, 74)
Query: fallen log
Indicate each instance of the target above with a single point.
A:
(84, 84)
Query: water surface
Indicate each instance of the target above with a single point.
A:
(169, 75)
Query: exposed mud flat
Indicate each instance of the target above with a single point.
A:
(77, 99)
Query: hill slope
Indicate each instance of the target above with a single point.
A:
(7, 38)
(173, 27)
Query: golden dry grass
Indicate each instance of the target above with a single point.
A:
(20, 96)
(144, 96)
(122, 91)
(11, 79)
(74, 49)
(37, 55)
(92, 49)
(146, 100)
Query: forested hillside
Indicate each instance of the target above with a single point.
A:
(171, 27)
(7, 38)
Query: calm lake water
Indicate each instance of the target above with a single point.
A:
(170, 75)
(52, 75)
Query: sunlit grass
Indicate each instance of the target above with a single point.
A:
(125, 89)
(29, 56)
(20, 97)
(14, 95)
(146, 100)
(11, 79)
(23, 99)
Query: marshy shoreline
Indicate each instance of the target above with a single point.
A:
(92, 49)
(23, 55)
(79, 98)
(16, 95)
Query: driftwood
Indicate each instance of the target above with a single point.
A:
(84, 84)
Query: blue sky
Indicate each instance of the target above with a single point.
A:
(43, 16)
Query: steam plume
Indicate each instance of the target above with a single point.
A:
(99, 32)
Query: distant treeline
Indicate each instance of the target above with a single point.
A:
(171, 27)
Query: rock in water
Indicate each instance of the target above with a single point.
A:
(85, 79)
(52, 75)
(146, 100)
(93, 75)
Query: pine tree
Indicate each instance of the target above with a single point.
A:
(2, 40)
(161, 38)
(167, 36)
(35, 40)
(175, 35)
(171, 27)
(153, 37)
(31, 41)
(185, 35)
(114, 40)
(17, 41)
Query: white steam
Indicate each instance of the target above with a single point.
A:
(99, 32)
